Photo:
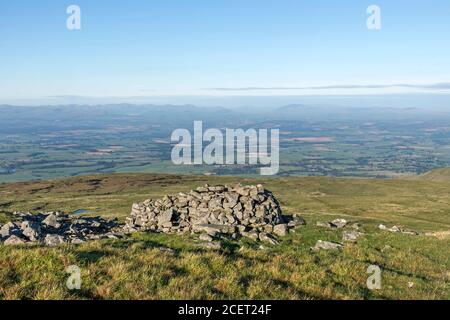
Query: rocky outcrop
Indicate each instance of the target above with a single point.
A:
(247, 211)
(398, 229)
(351, 235)
(55, 228)
(335, 224)
(326, 245)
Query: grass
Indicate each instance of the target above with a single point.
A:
(139, 267)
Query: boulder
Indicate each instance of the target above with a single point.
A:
(267, 237)
(281, 230)
(351, 235)
(31, 230)
(339, 223)
(6, 230)
(335, 224)
(14, 240)
(53, 240)
(52, 221)
(326, 245)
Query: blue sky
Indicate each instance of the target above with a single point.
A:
(139, 49)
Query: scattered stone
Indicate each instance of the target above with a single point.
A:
(5, 230)
(325, 245)
(31, 230)
(14, 240)
(294, 221)
(52, 221)
(53, 240)
(335, 224)
(253, 235)
(351, 236)
(339, 223)
(281, 230)
(267, 237)
(396, 229)
(54, 228)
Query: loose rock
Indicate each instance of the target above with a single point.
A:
(281, 230)
(398, 229)
(14, 240)
(325, 245)
(55, 228)
(335, 224)
(339, 223)
(351, 236)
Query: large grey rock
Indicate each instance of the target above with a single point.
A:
(281, 230)
(397, 229)
(52, 221)
(351, 235)
(339, 223)
(325, 245)
(297, 221)
(53, 240)
(5, 230)
(14, 240)
(31, 230)
(253, 235)
(267, 237)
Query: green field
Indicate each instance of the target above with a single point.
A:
(141, 267)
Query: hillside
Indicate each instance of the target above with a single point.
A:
(155, 266)
(438, 175)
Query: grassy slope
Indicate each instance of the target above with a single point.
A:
(438, 175)
(138, 268)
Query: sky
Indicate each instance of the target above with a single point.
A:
(142, 50)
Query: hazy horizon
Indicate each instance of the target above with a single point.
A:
(205, 52)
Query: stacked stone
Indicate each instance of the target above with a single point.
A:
(54, 228)
(249, 211)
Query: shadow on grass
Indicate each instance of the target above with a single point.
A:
(92, 256)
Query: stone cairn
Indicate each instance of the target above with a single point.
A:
(55, 228)
(213, 211)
